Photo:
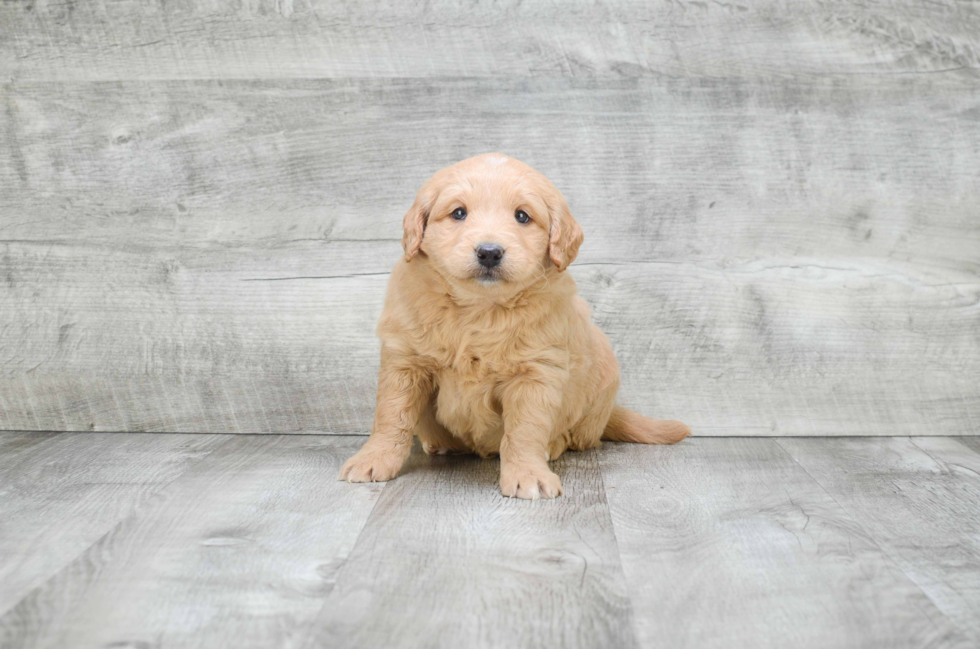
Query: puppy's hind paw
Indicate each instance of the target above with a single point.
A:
(529, 482)
(431, 449)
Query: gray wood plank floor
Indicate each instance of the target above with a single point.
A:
(240, 551)
(446, 561)
(736, 539)
(929, 490)
(154, 540)
(62, 495)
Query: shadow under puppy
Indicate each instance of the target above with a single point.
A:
(486, 348)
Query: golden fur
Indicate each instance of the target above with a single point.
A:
(493, 361)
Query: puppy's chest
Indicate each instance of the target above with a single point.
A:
(466, 404)
(467, 383)
(470, 354)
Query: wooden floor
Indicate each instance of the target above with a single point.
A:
(182, 540)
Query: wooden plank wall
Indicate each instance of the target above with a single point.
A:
(200, 202)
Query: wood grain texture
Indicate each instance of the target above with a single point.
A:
(446, 561)
(713, 542)
(918, 499)
(971, 443)
(157, 39)
(241, 551)
(62, 495)
(789, 256)
(14, 446)
(729, 543)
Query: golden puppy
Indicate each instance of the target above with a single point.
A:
(485, 347)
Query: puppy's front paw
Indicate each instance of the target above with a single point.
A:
(529, 482)
(372, 465)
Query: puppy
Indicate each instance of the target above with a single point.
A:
(485, 347)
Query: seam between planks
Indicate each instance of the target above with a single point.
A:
(308, 639)
(944, 463)
(969, 449)
(619, 556)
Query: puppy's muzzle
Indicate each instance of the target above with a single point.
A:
(489, 254)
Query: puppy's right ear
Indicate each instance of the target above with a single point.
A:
(414, 225)
(416, 219)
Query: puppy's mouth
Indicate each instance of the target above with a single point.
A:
(489, 275)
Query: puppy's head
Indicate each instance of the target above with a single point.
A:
(491, 222)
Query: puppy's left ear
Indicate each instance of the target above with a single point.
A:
(566, 235)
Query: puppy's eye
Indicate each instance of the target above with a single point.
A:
(521, 216)
(459, 213)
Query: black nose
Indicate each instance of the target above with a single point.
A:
(489, 254)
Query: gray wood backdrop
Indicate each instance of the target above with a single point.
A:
(200, 201)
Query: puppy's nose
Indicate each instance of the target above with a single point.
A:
(489, 254)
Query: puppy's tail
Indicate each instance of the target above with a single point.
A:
(628, 426)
